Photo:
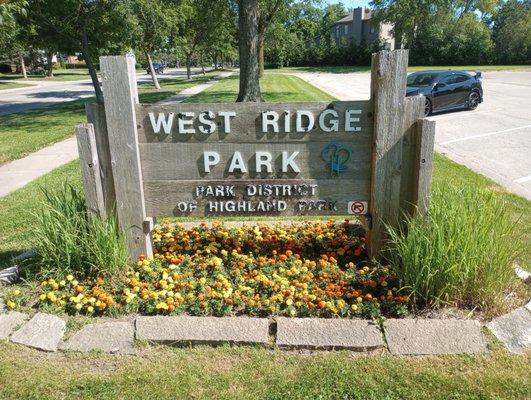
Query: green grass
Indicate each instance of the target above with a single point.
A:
(276, 88)
(462, 253)
(26, 132)
(348, 68)
(12, 85)
(254, 373)
(16, 209)
(58, 75)
(70, 240)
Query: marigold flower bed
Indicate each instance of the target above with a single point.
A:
(307, 269)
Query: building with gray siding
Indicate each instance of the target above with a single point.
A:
(358, 26)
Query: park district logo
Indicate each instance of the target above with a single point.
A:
(336, 155)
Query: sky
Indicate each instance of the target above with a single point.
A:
(350, 3)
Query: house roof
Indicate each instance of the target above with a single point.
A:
(346, 18)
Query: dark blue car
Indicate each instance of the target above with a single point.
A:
(446, 90)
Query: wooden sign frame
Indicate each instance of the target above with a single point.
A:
(120, 171)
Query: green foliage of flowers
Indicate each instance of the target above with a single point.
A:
(462, 252)
(309, 269)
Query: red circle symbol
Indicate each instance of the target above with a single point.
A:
(357, 207)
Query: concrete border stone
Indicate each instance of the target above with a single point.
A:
(43, 332)
(320, 333)
(110, 337)
(513, 329)
(434, 336)
(214, 330)
(9, 322)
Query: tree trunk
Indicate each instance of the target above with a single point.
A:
(189, 66)
(23, 66)
(90, 66)
(202, 65)
(152, 70)
(248, 50)
(49, 65)
(216, 60)
(261, 39)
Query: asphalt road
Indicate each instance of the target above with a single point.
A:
(494, 140)
(47, 93)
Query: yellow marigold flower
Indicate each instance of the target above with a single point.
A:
(69, 278)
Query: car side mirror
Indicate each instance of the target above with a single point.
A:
(439, 85)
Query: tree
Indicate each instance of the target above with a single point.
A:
(204, 25)
(332, 13)
(267, 10)
(91, 27)
(248, 51)
(9, 9)
(12, 36)
(154, 20)
(512, 32)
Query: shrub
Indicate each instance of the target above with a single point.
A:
(69, 239)
(462, 252)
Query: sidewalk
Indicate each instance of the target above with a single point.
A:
(18, 173)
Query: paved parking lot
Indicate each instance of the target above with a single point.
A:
(494, 140)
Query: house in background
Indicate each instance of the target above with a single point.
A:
(358, 26)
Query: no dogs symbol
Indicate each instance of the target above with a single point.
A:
(357, 207)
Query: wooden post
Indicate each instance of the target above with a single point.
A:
(96, 116)
(424, 139)
(388, 88)
(413, 111)
(121, 97)
(90, 168)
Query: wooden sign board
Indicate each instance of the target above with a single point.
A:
(371, 158)
(254, 159)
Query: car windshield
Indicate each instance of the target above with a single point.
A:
(422, 79)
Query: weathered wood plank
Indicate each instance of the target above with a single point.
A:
(172, 161)
(96, 116)
(121, 97)
(423, 161)
(388, 87)
(162, 197)
(246, 125)
(90, 169)
(413, 111)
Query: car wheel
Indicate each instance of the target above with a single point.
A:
(473, 100)
(427, 107)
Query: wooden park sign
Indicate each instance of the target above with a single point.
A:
(369, 158)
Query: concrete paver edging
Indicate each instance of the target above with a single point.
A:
(434, 336)
(404, 336)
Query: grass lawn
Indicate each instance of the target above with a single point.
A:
(26, 132)
(58, 75)
(348, 68)
(254, 373)
(251, 372)
(276, 88)
(12, 85)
